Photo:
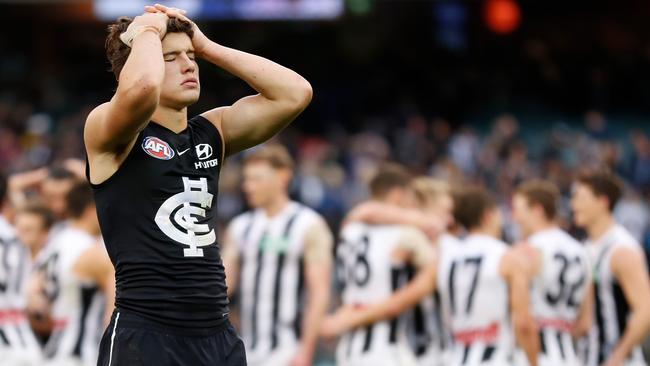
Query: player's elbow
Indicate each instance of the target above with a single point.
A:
(143, 91)
(302, 94)
(525, 326)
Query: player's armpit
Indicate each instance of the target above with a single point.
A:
(629, 268)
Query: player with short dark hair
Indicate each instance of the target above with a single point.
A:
(155, 172)
(559, 268)
(620, 279)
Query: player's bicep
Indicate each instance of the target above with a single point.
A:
(94, 264)
(230, 251)
(630, 269)
(251, 121)
(230, 256)
(418, 246)
(319, 243)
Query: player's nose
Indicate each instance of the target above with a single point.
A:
(187, 64)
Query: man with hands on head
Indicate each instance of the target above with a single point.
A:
(154, 173)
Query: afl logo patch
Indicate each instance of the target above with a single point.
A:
(157, 148)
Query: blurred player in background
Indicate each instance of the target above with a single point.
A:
(620, 277)
(434, 214)
(484, 289)
(78, 279)
(559, 268)
(53, 184)
(33, 224)
(373, 262)
(18, 346)
(155, 176)
(275, 255)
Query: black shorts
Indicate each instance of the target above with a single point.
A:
(131, 340)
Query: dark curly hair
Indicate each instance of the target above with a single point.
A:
(117, 52)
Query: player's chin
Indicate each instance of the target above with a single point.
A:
(579, 219)
(189, 96)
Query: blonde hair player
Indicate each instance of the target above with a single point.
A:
(279, 258)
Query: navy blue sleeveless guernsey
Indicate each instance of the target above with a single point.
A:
(158, 218)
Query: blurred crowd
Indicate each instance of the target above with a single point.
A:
(333, 168)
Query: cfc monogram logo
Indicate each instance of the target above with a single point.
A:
(178, 216)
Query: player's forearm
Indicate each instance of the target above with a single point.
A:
(109, 293)
(273, 81)
(381, 213)
(402, 300)
(528, 340)
(317, 305)
(637, 328)
(141, 77)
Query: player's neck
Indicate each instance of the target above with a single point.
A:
(83, 225)
(276, 206)
(600, 226)
(170, 118)
(483, 232)
(542, 226)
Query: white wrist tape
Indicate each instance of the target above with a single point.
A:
(132, 32)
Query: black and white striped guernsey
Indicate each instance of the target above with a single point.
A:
(272, 281)
(77, 305)
(611, 307)
(369, 273)
(17, 342)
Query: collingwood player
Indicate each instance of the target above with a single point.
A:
(78, 280)
(559, 268)
(483, 290)
(620, 279)
(34, 223)
(18, 346)
(279, 256)
(434, 214)
(155, 175)
(373, 262)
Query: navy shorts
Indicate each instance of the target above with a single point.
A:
(131, 340)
